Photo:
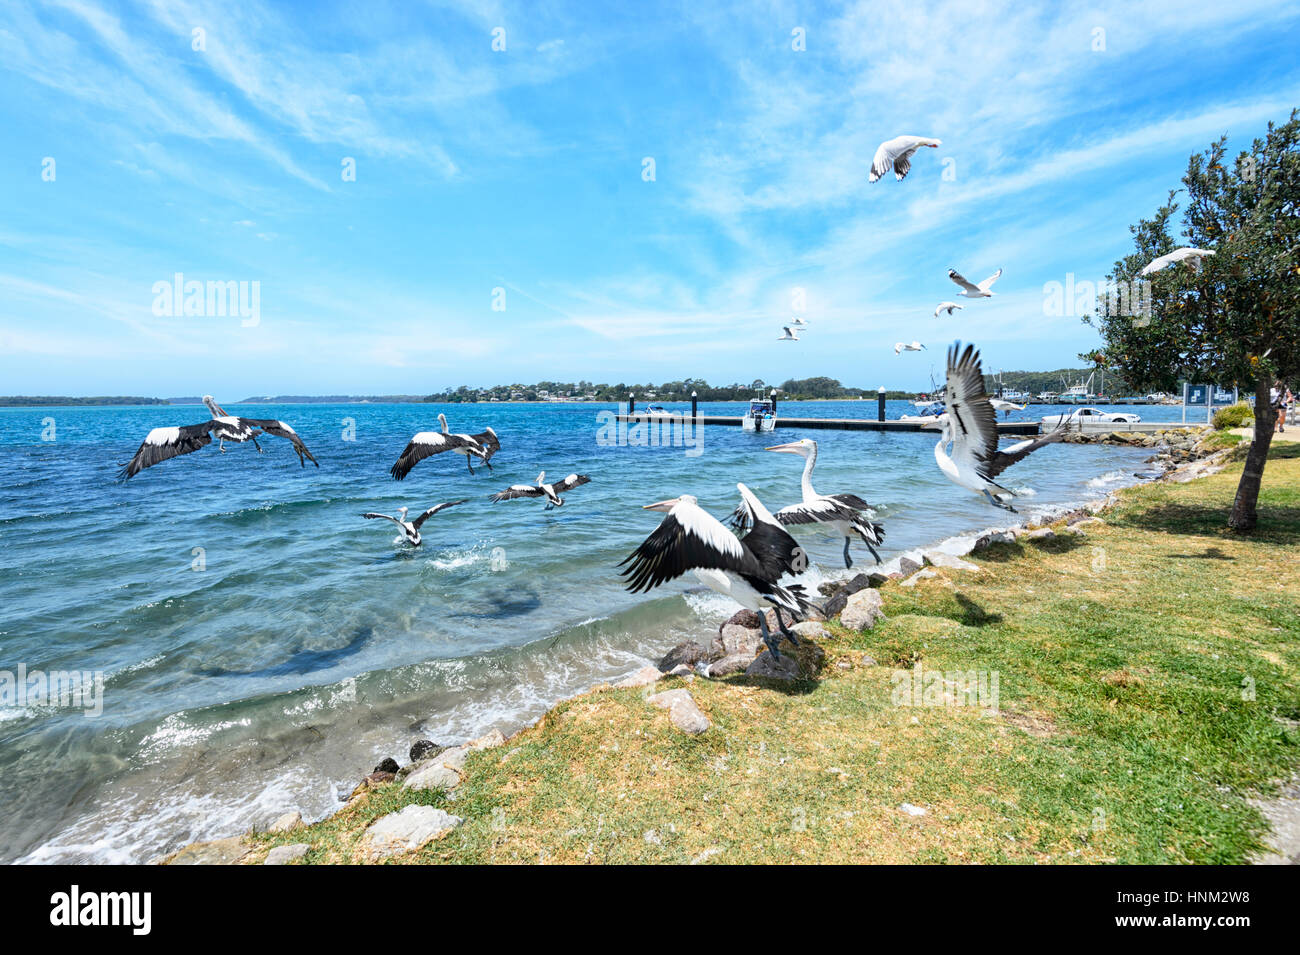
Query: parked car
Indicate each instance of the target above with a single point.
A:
(1078, 416)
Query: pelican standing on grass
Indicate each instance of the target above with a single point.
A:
(847, 514)
(745, 569)
(983, 290)
(163, 443)
(969, 425)
(551, 492)
(411, 529)
(896, 154)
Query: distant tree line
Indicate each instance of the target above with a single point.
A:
(29, 401)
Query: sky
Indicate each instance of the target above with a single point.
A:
(444, 193)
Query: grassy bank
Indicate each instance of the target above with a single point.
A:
(1126, 659)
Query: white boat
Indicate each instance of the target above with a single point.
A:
(761, 416)
(1014, 394)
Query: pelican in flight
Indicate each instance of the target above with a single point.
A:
(551, 492)
(745, 569)
(163, 443)
(427, 443)
(791, 334)
(969, 425)
(948, 307)
(896, 154)
(1189, 255)
(983, 290)
(411, 529)
(900, 347)
(847, 514)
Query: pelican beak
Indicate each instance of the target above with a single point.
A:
(794, 448)
(662, 505)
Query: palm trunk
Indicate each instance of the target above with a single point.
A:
(1243, 516)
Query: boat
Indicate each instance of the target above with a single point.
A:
(1015, 394)
(925, 410)
(657, 410)
(760, 417)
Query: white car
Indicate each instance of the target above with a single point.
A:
(1080, 416)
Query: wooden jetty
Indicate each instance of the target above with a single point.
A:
(784, 423)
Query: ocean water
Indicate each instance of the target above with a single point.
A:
(263, 646)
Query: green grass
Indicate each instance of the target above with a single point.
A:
(1123, 732)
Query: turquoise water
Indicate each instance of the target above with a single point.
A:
(263, 646)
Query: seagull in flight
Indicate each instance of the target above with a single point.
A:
(1186, 254)
(900, 347)
(411, 529)
(896, 154)
(946, 307)
(974, 291)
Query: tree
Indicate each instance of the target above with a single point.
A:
(1236, 319)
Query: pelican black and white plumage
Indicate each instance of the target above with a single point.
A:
(745, 569)
(1186, 254)
(163, 443)
(411, 529)
(847, 514)
(969, 425)
(970, 290)
(896, 154)
(479, 446)
(551, 492)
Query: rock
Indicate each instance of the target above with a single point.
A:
(389, 765)
(862, 610)
(681, 670)
(642, 677)
(732, 663)
(940, 559)
(286, 823)
(423, 748)
(844, 664)
(283, 855)
(786, 667)
(737, 639)
(916, 578)
(682, 711)
(994, 537)
(406, 831)
(867, 661)
(217, 852)
(687, 652)
(741, 618)
(811, 630)
(1040, 533)
(836, 604)
(908, 566)
(433, 776)
(911, 810)
(1087, 522)
(488, 740)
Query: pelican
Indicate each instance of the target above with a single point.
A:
(846, 513)
(983, 290)
(745, 569)
(900, 347)
(1186, 254)
(896, 154)
(946, 307)
(427, 443)
(551, 492)
(791, 334)
(799, 323)
(163, 443)
(411, 529)
(969, 424)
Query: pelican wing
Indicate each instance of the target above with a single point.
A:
(163, 443)
(973, 421)
(371, 515)
(282, 430)
(688, 538)
(772, 546)
(423, 445)
(518, 490)
(961, 280)
(434, 510)
(1003, 459)
(570, 482)
(487, 440)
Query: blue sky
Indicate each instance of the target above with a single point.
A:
(522, 169)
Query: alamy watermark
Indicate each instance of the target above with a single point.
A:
(921, 687)
(53, 689)
(209, 299)
(1076, 299)
(645, 430)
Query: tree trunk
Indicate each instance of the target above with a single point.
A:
(1243, 516)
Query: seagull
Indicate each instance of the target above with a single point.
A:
(946, 307)
(745, 569)
(411, 529)
(896, 154)
(1006, 407)
(974, 291)
(791, 334)
(551, 492)
(428, 443)
(163, 443)
(843, 512)
(900, 347)
(1189, 255)
(799, 323)
(969, 424)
